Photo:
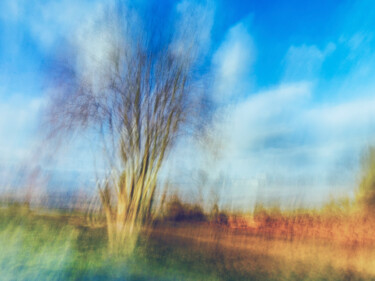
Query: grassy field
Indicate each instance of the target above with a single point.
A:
(59, 247)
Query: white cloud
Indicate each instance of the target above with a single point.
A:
(95, 41)
(350, 115)
(281, 135)
(233, 62)
(48, 21)
(265, 121)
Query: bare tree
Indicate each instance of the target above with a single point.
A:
(141, 97)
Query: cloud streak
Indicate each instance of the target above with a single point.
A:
(232, 64)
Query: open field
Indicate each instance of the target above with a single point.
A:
(306, 259)
(36, 246)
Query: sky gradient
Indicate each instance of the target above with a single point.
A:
(293, 83)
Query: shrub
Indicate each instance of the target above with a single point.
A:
(178, 211)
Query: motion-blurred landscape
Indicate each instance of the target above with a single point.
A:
(187, 140)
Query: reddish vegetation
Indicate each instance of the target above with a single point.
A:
(353, 230)
(355, 227)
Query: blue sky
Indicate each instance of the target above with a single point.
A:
(293, 82)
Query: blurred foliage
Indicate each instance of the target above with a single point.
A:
(177, 211)
(338, 207)
(219, 217)
(365, 195)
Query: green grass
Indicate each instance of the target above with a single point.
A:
(33, 250)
